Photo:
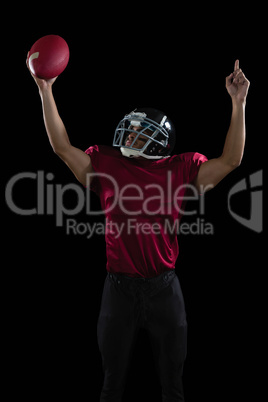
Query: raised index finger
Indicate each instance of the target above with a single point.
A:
(236, 66)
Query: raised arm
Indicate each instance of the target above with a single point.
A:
(214, 170)
(75, 159)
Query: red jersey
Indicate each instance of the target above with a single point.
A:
(142, 200)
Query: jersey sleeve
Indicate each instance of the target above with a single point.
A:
(193, 161)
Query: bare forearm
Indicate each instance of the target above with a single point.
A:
(55, 128)
(235, 140)
(214, 170)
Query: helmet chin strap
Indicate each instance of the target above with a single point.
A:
(135, 153)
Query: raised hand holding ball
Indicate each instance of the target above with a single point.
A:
(48, 57)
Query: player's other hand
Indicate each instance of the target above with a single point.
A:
(237, 84)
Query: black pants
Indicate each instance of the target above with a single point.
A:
(155, 304)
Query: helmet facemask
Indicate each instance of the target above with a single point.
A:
(154, 135)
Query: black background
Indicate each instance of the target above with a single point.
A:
(174, 59)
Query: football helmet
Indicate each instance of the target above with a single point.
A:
(150, 126)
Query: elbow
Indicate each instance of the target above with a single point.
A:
(235, 164)
(55, 148)
(59, 151)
